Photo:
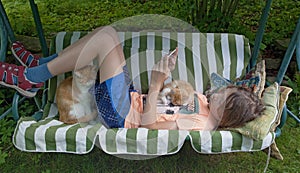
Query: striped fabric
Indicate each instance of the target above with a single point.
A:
(51, 135)
(199, 56)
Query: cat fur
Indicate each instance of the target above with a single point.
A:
(177, 92)
(74, 101)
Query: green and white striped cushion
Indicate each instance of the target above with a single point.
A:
(51, 135)
(199, 56)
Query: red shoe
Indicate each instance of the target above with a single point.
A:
(12, 76)
(25, 57)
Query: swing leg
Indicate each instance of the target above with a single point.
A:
(298, 63)
(7, 33)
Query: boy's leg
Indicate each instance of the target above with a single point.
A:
(102, 44)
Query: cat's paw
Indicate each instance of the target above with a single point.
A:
(165, 100)
(165, 91)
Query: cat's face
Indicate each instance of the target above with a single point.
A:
(86, 76)
(178, 93)
(179, 96)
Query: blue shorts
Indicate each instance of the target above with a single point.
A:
(113, 99)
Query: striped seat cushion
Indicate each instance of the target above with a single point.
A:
(51, 135)
(199, 56)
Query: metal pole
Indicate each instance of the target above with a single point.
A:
(260, 33)
(3, 43)
(298, 50)
(39, 27)
(6, 23)
(288, 54)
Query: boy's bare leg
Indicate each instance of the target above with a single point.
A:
(103, 44)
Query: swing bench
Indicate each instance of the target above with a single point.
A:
(197, 53)
(51, 135)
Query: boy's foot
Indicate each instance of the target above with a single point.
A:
(25, 57)
(13, 76)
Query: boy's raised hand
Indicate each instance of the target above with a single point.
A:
(161, 70)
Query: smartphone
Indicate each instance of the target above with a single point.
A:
(171, 60)
(172, 53)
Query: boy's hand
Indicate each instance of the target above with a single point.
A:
(172, 60)
(161, 71)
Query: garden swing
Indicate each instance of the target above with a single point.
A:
(44, 133)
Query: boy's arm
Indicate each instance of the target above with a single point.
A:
(149, 118)
(159, 74)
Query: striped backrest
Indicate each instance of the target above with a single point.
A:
(200, 54)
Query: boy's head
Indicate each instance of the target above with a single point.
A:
(234, 106)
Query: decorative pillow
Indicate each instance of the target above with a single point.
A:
(261, 71)
(274, 98)
(218, 82)
(261, 126)
(254, 80)
(284, 94)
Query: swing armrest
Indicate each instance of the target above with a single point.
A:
(15, 106)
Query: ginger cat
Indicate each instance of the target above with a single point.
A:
(177, 92)
(74, 101)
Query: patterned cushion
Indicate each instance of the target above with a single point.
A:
(261, 71)
(255, 80)
(284, 94)
(218, 82)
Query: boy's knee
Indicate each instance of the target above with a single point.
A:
(107, 29)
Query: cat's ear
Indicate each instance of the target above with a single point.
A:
(174, 84)
(77, 74)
